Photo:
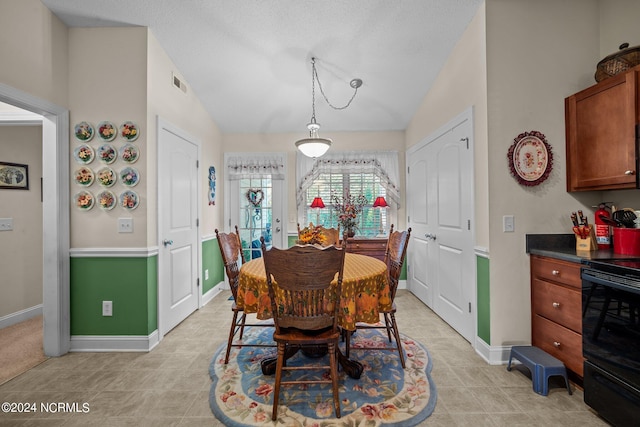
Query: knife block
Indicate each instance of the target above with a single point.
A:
(588, 244)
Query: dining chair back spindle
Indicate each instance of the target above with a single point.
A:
(304, 303)
(395, 254)
(232, 258)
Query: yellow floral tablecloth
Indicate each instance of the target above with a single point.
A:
(365, 290)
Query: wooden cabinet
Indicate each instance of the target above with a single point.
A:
(556, 310)
(371, 247)
(601, 134)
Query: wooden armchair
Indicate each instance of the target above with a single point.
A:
(233, 258)
(394, 258)
(305, 308)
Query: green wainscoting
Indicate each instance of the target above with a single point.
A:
(131, 283)
(484, 309)
(212, 261)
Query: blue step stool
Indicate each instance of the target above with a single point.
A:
(542, 366)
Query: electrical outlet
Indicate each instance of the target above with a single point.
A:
(6, 224)
(508, 224)
(125, 225)
(206, 274)
(107, 308)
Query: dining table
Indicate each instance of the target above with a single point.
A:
(365, 292)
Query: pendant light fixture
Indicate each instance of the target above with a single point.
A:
(314, 146)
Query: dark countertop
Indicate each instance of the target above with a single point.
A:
(563, 246)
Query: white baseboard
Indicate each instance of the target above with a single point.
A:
(20, 316)
(211, 293)
(114, 343)
(402, 284)
(498, 355)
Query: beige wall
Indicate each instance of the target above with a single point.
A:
(342, 141)
(187, 113)
(21, 260)
(33, 50)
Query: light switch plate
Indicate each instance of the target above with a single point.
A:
(508, 224)
(6, 224)
(125, 225)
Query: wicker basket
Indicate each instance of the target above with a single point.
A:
(626, 58)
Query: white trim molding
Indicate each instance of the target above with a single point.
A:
(114, 343)
(20, 316)
(496, 355)
(113, 252)
(212, 293)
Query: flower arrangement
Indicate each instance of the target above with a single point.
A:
(312, 235)
(348, 207)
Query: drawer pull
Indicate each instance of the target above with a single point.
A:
(556, 344)
(556, 305)
(629, 172)
(555, 272)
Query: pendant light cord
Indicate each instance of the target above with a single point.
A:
(355, 84)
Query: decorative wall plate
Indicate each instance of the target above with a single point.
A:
(530, 158)
(84, 176)
(129, 153)
(129, 131)
(129, 176)
(107, 177)
(129, 200)
(83, 131)
(107, 200)
(84, 200)
(84, 154)
(107, 154)
(107, 131)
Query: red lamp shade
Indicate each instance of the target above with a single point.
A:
(379, 203)
(317, 203)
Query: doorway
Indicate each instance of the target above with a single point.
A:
(55, 203)
(440, 212)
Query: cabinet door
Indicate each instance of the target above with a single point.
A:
(601, 135)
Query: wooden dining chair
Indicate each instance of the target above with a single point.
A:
(233, 257)
(395, 254)
(305, 308)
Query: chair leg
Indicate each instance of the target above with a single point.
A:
(334, 376)
(396, 334)
(242, 322)
(276, 388)
(347, 342)
(388, 324)
(231, 333)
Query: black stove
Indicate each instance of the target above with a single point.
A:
(611, 338)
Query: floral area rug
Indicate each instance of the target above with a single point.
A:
(385, 394)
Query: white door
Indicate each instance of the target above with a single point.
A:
(441, 259)
(257, 205)
(178, 258)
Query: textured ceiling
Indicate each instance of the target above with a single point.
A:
(249, 61)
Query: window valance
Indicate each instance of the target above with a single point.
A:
(383, 164)
(260, 165)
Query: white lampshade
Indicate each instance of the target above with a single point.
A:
(314, 146)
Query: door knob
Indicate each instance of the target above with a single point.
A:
(278, 220)
(430, 236)
(166, 242)
(277, 229)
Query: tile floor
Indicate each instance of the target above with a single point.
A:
(170, 385)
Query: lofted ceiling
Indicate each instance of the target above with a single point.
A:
(249, 61)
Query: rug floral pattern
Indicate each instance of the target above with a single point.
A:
(385, 394)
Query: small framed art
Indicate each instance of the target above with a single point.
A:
(14, 176)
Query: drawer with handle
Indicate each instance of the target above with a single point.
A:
(557, 303)
(556, 270)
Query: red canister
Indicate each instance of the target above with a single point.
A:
(626, 241)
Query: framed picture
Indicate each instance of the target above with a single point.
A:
(14, 176)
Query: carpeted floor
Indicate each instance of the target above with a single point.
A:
(20, 348)
(386, 394)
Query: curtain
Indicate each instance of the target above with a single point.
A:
(256, 165)
(384, 164)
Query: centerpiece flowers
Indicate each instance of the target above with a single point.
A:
(348, 207)
(312, 235)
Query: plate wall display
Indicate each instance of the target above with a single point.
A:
(129, 131)
(84, 154)
(129, 176)
(129, 200)
(129, 153)
(83, 131)
(107, 177)
(84, 176)
(530, 158)
(107, 200)
(107, 131)
(107, 154)
(84, 200)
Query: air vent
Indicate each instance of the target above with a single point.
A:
(179, 83)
